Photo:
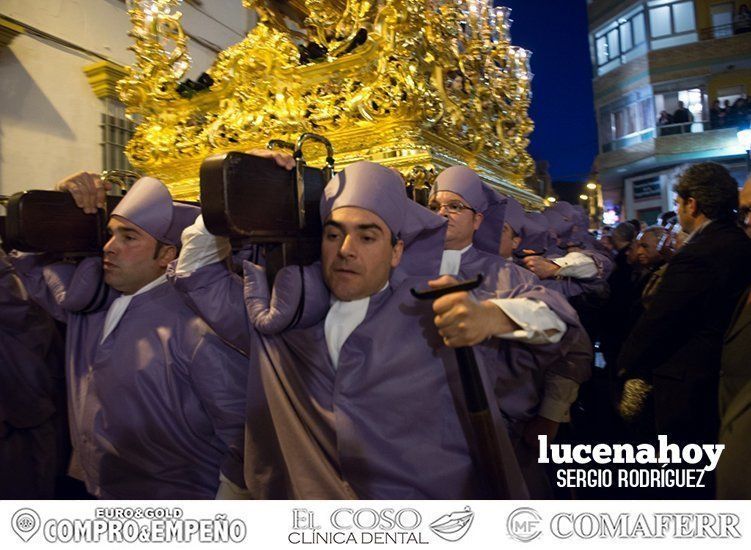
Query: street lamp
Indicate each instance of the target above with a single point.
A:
(744, 138)
(552, 199)
(584, 197)
(591, 186)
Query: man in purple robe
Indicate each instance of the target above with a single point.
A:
(156, 399)
(576, 266)
(536, 236)
(361, 398)
(33, 447)
(538, 370)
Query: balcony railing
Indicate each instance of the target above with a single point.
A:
(629, 140)
(725, 31)
(683, 128)
(664, 130)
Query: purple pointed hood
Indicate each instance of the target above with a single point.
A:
(148, 204)
(488, 237)
(561, 218)
(464, 182)
(536, 235)
(382, 191)
(515, 215)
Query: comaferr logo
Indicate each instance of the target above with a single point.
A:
(645, 526)
(526, 524)
(452, 527)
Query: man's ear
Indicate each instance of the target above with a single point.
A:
(515, 242)
(166, 254)
(478, 220)
(693, 207)
(396, 253)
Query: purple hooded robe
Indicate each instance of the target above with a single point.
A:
(520, 368)
(157, 407)
(389, 422)
(33, 443)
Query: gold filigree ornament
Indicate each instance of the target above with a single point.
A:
(406, 83)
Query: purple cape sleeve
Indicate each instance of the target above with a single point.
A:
(31, 269)
(62, 288)
(216, 295)
(299, 299)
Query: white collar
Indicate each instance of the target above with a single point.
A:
(341, 321)
(120, 305)
(451, 261)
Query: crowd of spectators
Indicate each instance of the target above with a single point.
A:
(722, 114)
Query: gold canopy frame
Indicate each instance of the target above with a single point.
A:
(412, 84)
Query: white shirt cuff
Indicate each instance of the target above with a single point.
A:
(577, 266)
(230, 491)
(560, 393)
(200, 248)
(538, 323)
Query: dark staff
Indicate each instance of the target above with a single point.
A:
(490, 456)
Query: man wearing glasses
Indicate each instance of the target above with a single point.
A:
(535, 385)
(460, 196)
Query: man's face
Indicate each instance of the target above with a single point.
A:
(462, 220)
(646, 250)
(509, 241)
(356, 253)
(744, 200)
(131, 260)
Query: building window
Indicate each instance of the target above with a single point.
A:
(116, 131)
(671, 23)
(722, 19)
(623, 125)
(659, 21)
(620, 41)
(640, 32)
(683, 17)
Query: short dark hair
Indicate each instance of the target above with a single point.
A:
(624, 231)
(712, 187)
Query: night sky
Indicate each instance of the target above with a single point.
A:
(562, 106)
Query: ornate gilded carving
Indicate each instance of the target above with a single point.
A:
(161, 56)
(402, 82)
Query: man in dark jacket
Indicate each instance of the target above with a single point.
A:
(674, 350)
(683, 115)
